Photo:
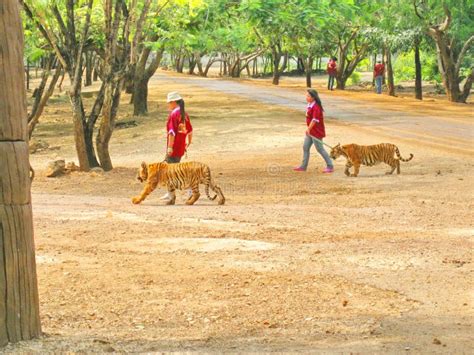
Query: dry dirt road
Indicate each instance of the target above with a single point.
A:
(293, 261)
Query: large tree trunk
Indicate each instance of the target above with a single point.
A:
(142, 75)
(346, 67)
(418, 88)
(19, 304)
(107, 123)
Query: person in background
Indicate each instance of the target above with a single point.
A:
(379, 71)
(315, 132)
(332, 71)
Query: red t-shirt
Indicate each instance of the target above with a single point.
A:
(179, 132)
(379, 69)
(332, 67)
(315, 113)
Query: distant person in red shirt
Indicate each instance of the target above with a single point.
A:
(179, 129)
(332, 71)
(379, 70)
(315, 132)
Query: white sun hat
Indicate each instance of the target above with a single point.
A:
(173, 96)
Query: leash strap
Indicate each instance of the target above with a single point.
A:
(319, 140)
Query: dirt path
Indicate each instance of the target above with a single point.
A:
(292, 262)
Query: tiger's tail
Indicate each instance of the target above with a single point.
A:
(207, 173)
(400, 157)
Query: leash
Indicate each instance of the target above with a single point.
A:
(320, 141)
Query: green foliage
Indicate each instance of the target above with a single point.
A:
(404, 67)
(354, 79)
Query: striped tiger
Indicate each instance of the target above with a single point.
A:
(369, 155)
(177, 176)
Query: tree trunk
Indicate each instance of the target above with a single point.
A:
(308, 67)
(83, 150)
(418, 88)
(192, 65)
(346, 67)
(388, 63)
(373, 65)
(88, 81)
(27, 74)
(142, 75)
(95, 75)
(19, 303)
(383, 60)
(140, 97)
(449, 67)
(276, 58)
(107, 124)
(37, 109)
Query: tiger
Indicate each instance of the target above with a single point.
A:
(177, 176)
(369, 155)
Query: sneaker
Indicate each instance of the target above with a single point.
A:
(299, 169)
(328, 170)
(166, 196)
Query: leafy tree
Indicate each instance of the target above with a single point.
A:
(450, 24)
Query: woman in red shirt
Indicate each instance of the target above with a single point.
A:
(315, 132)
(178, 127)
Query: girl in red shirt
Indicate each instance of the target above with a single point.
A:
(315, 132)
(179, 129)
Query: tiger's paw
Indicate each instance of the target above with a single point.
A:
(170, 202)
(136, 200)
(353, 175)
(221, 202)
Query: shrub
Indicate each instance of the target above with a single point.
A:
(354, 79)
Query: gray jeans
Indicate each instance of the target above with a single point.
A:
(172, 160)
(378, 83)
(331, 81)
(308, 142)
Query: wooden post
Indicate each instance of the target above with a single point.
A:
(19, 305)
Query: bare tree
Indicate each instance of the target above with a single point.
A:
(19, 304)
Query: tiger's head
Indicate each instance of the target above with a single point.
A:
(336, 151)
(143, 172)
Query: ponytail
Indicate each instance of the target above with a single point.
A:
(181, 110)
(314, 94)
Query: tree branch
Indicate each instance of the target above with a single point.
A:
(48, 36)
(462, 54)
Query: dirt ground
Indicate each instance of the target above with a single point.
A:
(292, 262)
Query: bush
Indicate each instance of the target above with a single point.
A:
(354, 79)
(404, 67)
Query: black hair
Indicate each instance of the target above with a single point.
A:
(181, 109)
(334, 58)
(314, 94)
